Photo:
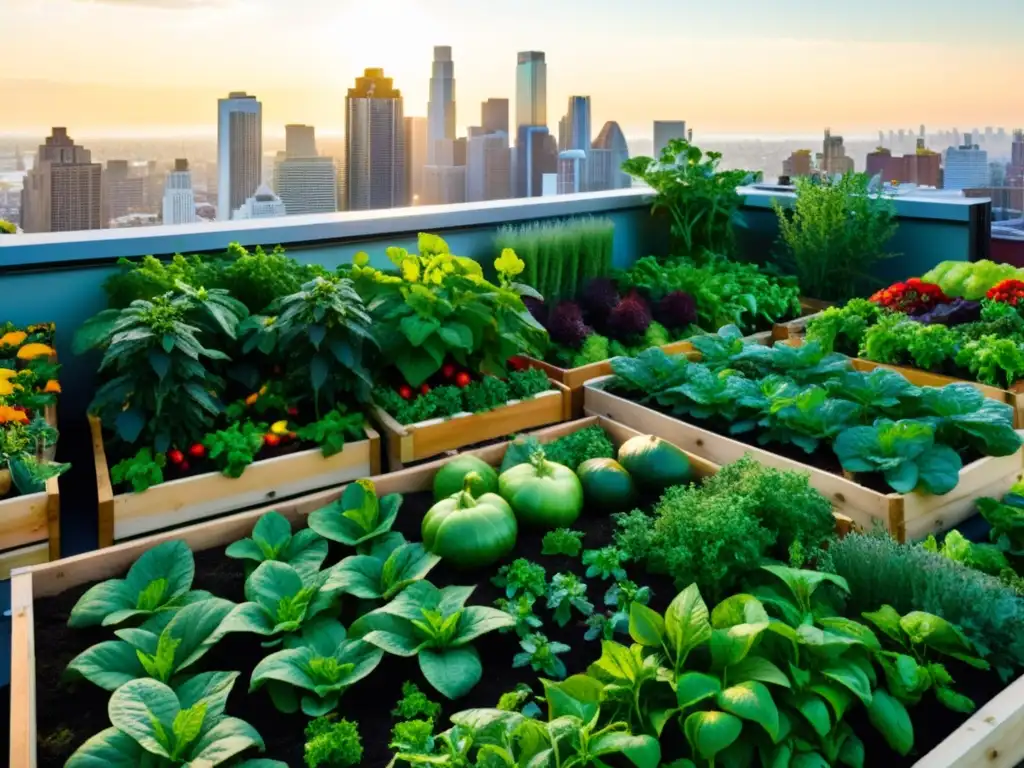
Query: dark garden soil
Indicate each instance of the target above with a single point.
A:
(69, 714)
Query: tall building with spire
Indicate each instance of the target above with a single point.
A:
(375, 157)
(239, 151)
(441, 105)
(64, 190)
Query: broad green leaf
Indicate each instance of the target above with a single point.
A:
(890, 718)
(145, 710)
(757, 668)
(837, 696)
(226, 739)
(887, 619)
(851, 677)
(808, 760)
(935, 632)
(642, 751)
(188, 724)
(100, 601)
(359, 576)
(273, 531)
(110, 748)
(211, 688)
(646, 626)
(695, 687)
(477, 620)
(730, 646)
(617, 663)
(940, 469)
(950, 699)
(839, 625)
(109, 665)
(776, 756)
(171, 561)
(813, 709)
(711, 732)
(752, 701)
(738, 609)
(197, 627)
(802, 584)
(577, 696)
(270, 583)
(687, 623)
(245, 549)
(248, 617)
(453, 671)
(851, 753)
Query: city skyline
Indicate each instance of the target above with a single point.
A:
(869, 68)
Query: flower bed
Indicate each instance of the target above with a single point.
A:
(801, 402)
(29, 493)
(702, 712)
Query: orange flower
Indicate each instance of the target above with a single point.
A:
(52, 386)
(13, 339)
(7, 373)
(32, 351)
(9, 414)
(251, 399)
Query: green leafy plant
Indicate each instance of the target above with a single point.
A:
(164, 647)
(566, 592)
(998, 362)
(573, 449)
(332, 744)
(486, 394)
(142, 471)
(272, 539)
(415, 703)
(315, 668)
(1007, 525)
(437, 627)
(235, 448)
(160, 580)
(391, 565)
(155, 725)
(835, 233)
(523, 385)
(521, 609)
(332, 430)
(987, 558)
(413, 736)
(522, 576)
(281, 600)
(562, 541)
(358, 516)
(605, 563)
(841, 329)
(621, 595)
(541, 655)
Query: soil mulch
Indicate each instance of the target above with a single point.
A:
(69, 714)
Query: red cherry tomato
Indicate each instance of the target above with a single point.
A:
(293, 411)
(405, 391)
(183, 466)
(271, 440)
(448, 370)
(462, 380)
(424, 388)
(175, 456)
(197, 450)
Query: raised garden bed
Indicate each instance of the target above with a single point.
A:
(412, 442)
(184, 500)
(907, 516)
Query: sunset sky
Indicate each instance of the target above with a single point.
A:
(156, 67)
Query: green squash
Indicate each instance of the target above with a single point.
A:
(607, 485)
(468, 531)
(542, 494)
(449, 478)
(654, 464)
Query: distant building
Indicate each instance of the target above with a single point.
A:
(572, 165)
(1015, 169)
(494, 116)
(488, 167)
(444, 184)
(123, 192)
(531, 89)
(798, 164)
(264, 204)
(307, 185)
(64, 190)
(966, 166)
(832, 160)
(375, 154)
(665, 131)
(415, 157)
(923, 168)
(441, 105)
(179, 200)
(239, 151)
(536, 155)
(607, 154)
(300, 140)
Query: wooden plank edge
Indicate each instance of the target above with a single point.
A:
(23, 673)
(104, 485)
(15, 559)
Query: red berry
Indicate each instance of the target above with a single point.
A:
(462, 380)
(424, 388)
(198, 450)
(175, 456)
(183, 466)
(293, 411)
(271, 440)
(447, 370)
(405, 391)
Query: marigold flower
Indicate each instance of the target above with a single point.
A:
(279, 428)
(52, 386)
(7, 373)
(6, 387)
(251, 399)
(9, 414)
(13, 339)
(32, 351)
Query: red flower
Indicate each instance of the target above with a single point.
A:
(1008, 291)
(911, 297)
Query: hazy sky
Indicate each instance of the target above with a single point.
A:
(725, 66)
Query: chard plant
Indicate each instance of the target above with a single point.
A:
(160, 580)
(163, 648)
(436, 627)
(272, 539)
(153, 725)
(391, 565)
(280, 601)
(358, 516)
(315, 669)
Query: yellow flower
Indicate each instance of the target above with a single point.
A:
(410, 269)
(32, 351)
(509, 263)
(9, 414)
(6, 388)
(13, 339)
(361, 259)
(397, 255)
(7, 373)
(280, 427)
(263, 389)
(52, 386)
(431, 244)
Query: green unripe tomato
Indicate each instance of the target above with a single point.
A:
(468, 531)
(542, 493)
(450, 478)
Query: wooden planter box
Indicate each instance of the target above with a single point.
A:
(905, 516)
(412, 442)
(993, 727)
(188, 499)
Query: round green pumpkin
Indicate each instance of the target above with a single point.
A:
(542, 494)
(606, 485)
(468, 531)
(653, 463)
(449, 478)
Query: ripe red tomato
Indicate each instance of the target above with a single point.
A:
(462, 380)
(448, 370)
(197, 450)
(424, 388)
(293, 411)
(271, 440)
(405, 391)
(175, 456)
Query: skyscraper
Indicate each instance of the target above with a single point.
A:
(307, 185)
(1015, 169)
(123, 192)
(665, 131)
(607, 154)
(64, 190)
(833, 160)
(536, 155)
(798, 163)
(441, 106)
(578, 123)
(263, 204)
(300, 140)
(531, 89)
(179, 200)
(375, 156)
(571, 168)
(494, 116)
(415, 157)
(488, 167)
(239, 151)
(966, 166)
